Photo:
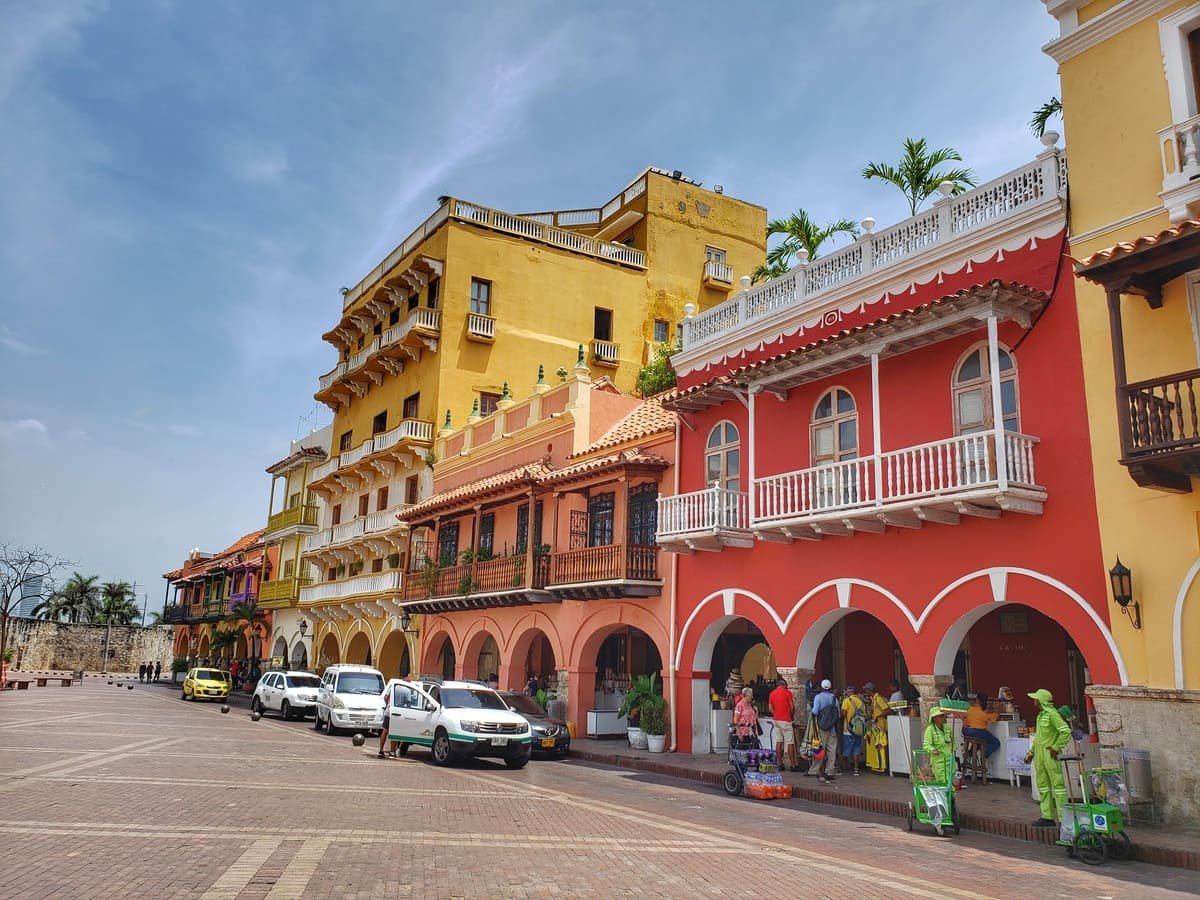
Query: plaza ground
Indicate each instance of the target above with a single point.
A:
(109, 792)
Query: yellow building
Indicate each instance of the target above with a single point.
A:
(1130, 83)
(474, 305)
(293, 513)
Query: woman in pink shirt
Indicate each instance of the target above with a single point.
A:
(745, 717)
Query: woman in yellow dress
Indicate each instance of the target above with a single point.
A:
(877, 737)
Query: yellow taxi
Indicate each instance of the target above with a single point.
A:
(206, 684)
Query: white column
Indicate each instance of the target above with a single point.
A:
(997, 405)
(750, 443)
(876, 429)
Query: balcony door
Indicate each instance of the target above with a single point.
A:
(973, 409)
(834, 440)
(723, 470)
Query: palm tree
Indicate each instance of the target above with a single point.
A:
(245, 616)
(916, 174)
(1043, 114)
(802, 233)
(222, 640)
(118, 604)
(76, 601)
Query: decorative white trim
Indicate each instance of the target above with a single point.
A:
(1117, 224)
(1177, 63)
(1177, 622)
(844, 584)
(1106, 25)
(727, 596)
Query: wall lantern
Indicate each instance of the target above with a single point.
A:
(303, 627)
(1122, 589)
(405, 621)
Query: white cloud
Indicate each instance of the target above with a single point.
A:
(18, 427)
(9, 339)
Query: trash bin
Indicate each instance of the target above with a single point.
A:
(556, 709)
(1137, 773)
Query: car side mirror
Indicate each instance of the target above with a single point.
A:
(430, 706)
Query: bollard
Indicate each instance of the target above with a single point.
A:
(130, 686)
(255, 716)
(358, 740)
(224, 708)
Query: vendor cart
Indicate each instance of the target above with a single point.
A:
(933, 798)
(1091, 829)
(753, 771)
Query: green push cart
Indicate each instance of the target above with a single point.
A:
(1092, 830)
(933, 799)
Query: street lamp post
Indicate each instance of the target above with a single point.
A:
(303, 635)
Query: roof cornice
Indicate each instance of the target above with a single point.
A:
(1096, 31)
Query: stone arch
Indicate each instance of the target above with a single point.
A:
(358, 650)
(393, 658)
(712, 616)
(182, 642)
(828, 603)
(527, 629)
(439, 632)
(594, 628)
(1177, 623)
(299, 660)
(280, 649)
(330, 652)
(472, 643)
(962, 603)
(203, 646)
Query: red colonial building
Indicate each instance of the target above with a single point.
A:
(884, 468)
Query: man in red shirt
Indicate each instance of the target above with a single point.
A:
(783, 707)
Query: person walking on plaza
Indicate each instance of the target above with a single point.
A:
(975, 723)
(783, 707)
(855, 725)
(157, 669)
(1050, 736)
(877, 737)
(142, 672)
(939, 744)
(827, 717)
(235, 672)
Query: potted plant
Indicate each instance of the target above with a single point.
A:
(643, 690)
(179, 665)
(654, 724)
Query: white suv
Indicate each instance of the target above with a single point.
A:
(456, 719)
(289, 693)
(349, 697)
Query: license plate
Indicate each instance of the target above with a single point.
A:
(499, 741)
(547, 742)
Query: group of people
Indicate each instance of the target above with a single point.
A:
(852, 727)
(149, 671)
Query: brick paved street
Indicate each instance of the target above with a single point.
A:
(107, 792)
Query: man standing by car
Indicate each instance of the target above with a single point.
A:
(783, 708)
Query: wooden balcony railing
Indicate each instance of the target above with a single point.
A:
(611, 562)
(486, 576)
(1162, 415)
(297, 515)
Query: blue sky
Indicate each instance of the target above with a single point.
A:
(185, 186)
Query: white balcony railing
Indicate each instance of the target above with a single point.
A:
(718, 271)
(383, 520)
(350, 587)
(326, 468)
(316, 541)
(939, 470)
(349, 530)
(350, 457)
(606, 353)
(359, 359)
(481, 326)
(330, 378)
(1011, 194)
(707, 510)
(419, 317)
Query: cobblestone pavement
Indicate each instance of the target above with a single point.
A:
(109, 792)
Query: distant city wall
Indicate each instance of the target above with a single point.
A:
(41, 646)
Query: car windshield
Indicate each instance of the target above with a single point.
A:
(523, 703)
(210, 675)
(360, 683)
(303, 681)
(470, 698)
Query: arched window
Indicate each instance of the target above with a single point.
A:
(723, 458)
(973, 392)
(834, 428)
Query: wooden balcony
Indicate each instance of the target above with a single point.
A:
(612, 570)
(175, 614)
(300, 517)
(711, 519)
(1162, 424)
(483, 584)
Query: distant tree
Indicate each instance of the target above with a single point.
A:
(244, 616)
(20, 568)
(118, 604)
(78, 600)
(222, 640)
(156, 618)
(1043, 114)
(801, 233)
(657, 375)
(917, 176)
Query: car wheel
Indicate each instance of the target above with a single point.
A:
(330, 729)
(256, 706)
(285, 710)
(517, 762)
(443, 753)
(182, 694)
(403, 749)
(317, 719)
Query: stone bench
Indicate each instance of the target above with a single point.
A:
(41, 682)
(22, 684)
(67, 682)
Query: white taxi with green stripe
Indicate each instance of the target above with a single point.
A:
(456, 719)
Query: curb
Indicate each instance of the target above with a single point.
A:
(1147, 853)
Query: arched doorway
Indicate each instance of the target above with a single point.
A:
(539, 661)
(446, 660)
(279, 651)
(741, 647)
(359, 650)
(487, 663)
(1019, 648)
(624, 654)
(299, 656)
(204, 648)
(240, 650)
(393, 656)
(330, 652)
(858, 648)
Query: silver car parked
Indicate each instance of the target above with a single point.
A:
(287, 693)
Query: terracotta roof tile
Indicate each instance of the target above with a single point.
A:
(600, 463)
(647, 418)
(220, 560)
(1125, 248)
(528, 473)
(315, 454)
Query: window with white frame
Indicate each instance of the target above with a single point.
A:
(834, 433)
(1180, 42)
(973, 392)
(723, 458)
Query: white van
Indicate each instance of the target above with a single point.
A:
(350, 696)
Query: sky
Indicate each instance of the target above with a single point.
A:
(185, 186)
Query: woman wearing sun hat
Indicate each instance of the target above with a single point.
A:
(1050, 736)
(939, 744)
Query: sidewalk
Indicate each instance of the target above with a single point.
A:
(996, 808)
